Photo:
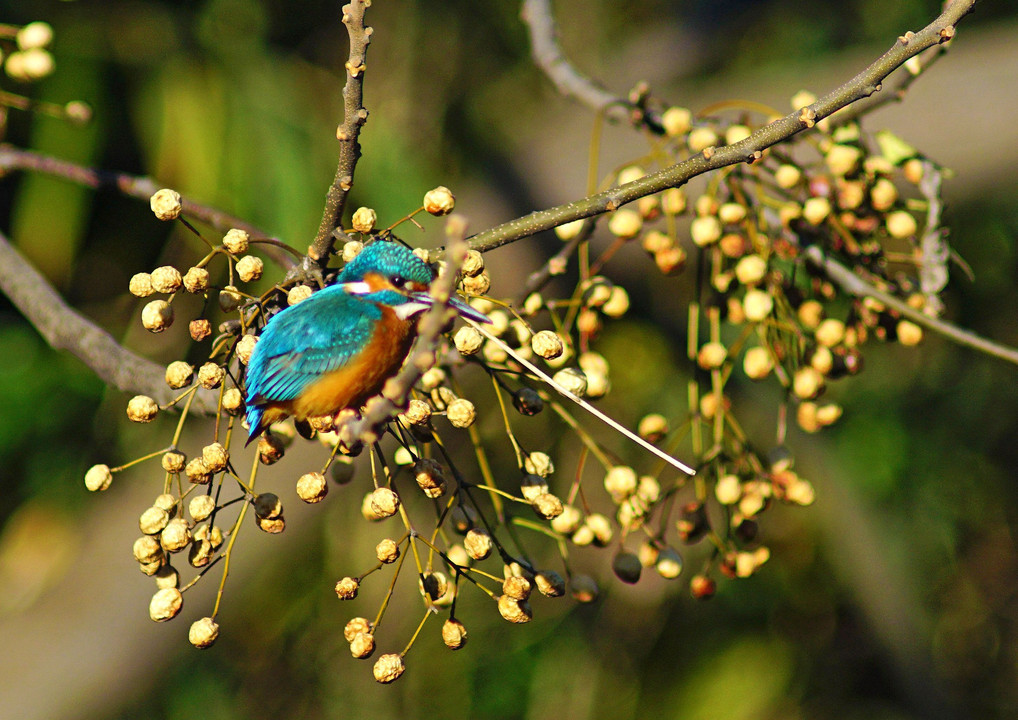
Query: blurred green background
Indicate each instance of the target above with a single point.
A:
(894, 596)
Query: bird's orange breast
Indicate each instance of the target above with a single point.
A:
(352, 384)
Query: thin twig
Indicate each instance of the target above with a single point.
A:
(354, 116)
(855, 285)
(64, 328)
(141, 188)
(548, 56)
(865, 84)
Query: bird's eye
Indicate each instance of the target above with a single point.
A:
(398, 281)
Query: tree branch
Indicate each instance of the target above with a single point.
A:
(64, 328)
(865, 84)
(548, 56)
(354, 116)
(142, 188)
(855, 285)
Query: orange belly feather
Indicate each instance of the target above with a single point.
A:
(355, 382)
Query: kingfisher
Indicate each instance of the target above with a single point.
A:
(337, 348)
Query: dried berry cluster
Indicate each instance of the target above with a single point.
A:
(762, 314)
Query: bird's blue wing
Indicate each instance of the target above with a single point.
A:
(306, 341)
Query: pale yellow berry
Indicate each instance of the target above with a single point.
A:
(807, 383)
(617, 304)
(913, 170)
(390, 666)
(728, 489)
(811, 313)
(298, 293)
(677, 121)
(711, 356)
(384, 502)
(515, 611)
(468, 340)
(250, 268)
(806, 416)
(387, 551)
(909, 333)
(730, 213)
(165, 604)
(36, 34)
(757, 363)
(211, 375)
(215, 457)
(829, 414)
(539, 463)
(418, 412)
(533, 485)
(569, 230)
(757, 305)
(236, 241)
(736, 133)
(803, 98)
(569, 521)
(166, 279)
(461, 413)
(203, 632)
(705, 230)
(141, 408)
(362, 645)
(245, 348)
(476, 285)
(201, 506)
(195, 280)
(669, 564)
(179, 374)
(701, 138)
(175, 536)
(751, 269)
(141, 285)
(454, 634)
(167, 577)
(601, 526)
(346, 588)
(354, 626)
(547, 343)
(439, 201)
(166, 204)
(652, 427)
(816, 210)
(157, 315)
(830, 332)
(312, 487)
(572, 379)
(822, 360)
(547, 506)
(620, 482)
(901, 224)
(478, 543)
(673, 201)
(98, 478)
(883, 195)
(364, 219)
(625, 223)
(351, 249)
(787, 176)
(842, 159)
(153, 520)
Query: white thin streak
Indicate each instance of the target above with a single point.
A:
(584, 404)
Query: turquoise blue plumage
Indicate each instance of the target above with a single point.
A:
(336, 348)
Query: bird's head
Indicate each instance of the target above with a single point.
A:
(388, 273)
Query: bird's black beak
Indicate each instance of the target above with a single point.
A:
(456, 304)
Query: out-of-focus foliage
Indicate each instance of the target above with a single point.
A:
(893, 596)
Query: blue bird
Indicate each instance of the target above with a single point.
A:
(337, 348)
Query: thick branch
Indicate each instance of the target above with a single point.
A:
(354, 116)
(865, 84)
(64, 328)
(142, 188)
(855, 285)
